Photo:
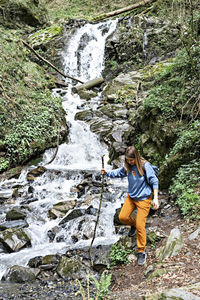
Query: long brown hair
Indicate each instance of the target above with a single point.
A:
(132, 152)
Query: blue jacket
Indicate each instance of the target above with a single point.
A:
(138, 188)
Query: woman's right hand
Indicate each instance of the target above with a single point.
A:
(103, 172)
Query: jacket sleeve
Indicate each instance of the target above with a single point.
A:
(118, 173)
(151, 178)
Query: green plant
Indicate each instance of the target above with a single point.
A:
(118, 255)
(102, 286)
(186, 189)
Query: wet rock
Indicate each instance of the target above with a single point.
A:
(116, 111)
(87, 228)
(116, 217)
(173, 245)
(54, 214)
(35, 262)
(19, 274)
(6, 194)
(29, 200)
(52, 233)
(50, 259)
(35, 173)
(101, 127)
(13, 224)
(91, 210)
(15, 214)
(85, 115)
(76, 213)
(101, 257)
(87, 94)
(61, 208)
(15, 239)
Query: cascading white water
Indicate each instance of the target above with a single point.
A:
(83, 59)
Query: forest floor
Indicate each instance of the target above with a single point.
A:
(182, 270)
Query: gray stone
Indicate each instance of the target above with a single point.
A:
(179, 294)
(60, 209)
(173, 245)
(70, 268)
(19, 274)
(195, 234)
(14, 239)
(13, 224)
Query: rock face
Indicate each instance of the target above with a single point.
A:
(139, 41)
(16, 13)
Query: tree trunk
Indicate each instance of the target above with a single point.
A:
(125, 9)
(89, 84)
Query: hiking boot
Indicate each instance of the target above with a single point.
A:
(141, 259)
(132, 231)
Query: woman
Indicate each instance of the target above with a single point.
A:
(141, 181)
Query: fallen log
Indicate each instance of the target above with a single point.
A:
(50, 64)
(124, 9)
(87, 85)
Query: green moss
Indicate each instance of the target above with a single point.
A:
(43, 36)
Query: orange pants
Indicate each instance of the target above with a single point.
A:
(143, 208)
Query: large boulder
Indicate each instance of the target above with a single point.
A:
(16, 13)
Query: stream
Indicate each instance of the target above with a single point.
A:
(83, 58)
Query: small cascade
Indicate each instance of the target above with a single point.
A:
(145, 43)
(83, 59)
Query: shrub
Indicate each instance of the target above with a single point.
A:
(186, 189)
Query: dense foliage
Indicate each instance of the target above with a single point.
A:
(186, 189)
(29, 114)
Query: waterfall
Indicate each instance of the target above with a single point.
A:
(83, 59)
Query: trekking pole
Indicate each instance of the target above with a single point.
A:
(98, 214)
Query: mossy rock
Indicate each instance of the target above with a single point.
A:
(44, 36)
(67, 267)
(172, 247)
(15, 214)
(16, 13)
(14, 239)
